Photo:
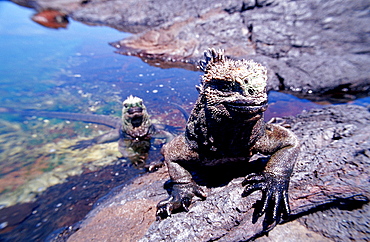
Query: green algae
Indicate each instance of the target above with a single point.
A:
(33, 160)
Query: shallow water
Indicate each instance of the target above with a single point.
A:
(75, 70)
(72, 70)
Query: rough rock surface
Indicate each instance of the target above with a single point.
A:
(309, 46)
(340, 224)
(126, 213)
(331, 177)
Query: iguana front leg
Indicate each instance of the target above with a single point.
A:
(135, 150)
(283, 146)
(184, 188)
(160, 133)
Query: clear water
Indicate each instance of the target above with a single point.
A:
(75, 70)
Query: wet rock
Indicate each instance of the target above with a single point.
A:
(331, 175)
(12, 216)
(61, 206)
(126, 213)
(310, 47)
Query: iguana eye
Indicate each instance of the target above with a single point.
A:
(221, 86)
(224, 87)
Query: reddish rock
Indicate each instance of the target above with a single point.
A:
(51, 19)
(127, 214)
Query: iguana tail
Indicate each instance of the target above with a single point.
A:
(114, 122)
(182, 110)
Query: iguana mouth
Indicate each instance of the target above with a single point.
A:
(241, 106)
(137, 120)
(134, 110)
(136, 116)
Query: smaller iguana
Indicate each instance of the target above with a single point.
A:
(133, 131)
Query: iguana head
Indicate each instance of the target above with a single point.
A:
(135, 118)
(232, 87)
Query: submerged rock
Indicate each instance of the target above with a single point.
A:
(332, 171)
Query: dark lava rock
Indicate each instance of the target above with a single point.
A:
(310, 47)
(342, 223)
(329, 191)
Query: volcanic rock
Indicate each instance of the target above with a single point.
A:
(331, 177)
(310, 47)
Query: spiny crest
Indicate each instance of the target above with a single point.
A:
(211, 58)
(247, 72)
(132, 101)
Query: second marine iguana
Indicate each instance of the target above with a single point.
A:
(225, 126)
(133, 131)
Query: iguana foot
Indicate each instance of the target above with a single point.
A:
(275, 203)
(181, 197)
(154, 165)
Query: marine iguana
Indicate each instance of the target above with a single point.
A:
(226, 125)
(133, 131)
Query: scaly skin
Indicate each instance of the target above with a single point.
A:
(226, 125)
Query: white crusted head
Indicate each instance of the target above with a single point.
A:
(132, 101)
(232, 87)
(135, 117)
(249, 75)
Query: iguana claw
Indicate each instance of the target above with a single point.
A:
(180, 198)
(275, 202)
